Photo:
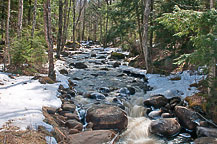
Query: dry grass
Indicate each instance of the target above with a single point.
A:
(22, 137)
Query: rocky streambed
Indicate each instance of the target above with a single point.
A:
(106, 102)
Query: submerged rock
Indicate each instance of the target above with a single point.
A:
(156, 101)
(63, 71)
(107, 117)
(186, 116)
(79, 65)
(92, 137)
(165, 127)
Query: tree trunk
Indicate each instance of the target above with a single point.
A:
(59, 37)
(49, 39)
(3, 18)
(145, 33)
(34, 19)
(73, 32)
(7, 47)
(20, 18)
(29, 12)
(66, 22)
(84, 16)
(212, 67)
(211, 4)
(106, 26)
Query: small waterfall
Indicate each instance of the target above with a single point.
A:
(137, 132)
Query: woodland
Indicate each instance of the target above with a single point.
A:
(160, 36)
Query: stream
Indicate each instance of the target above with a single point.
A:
(113, 82)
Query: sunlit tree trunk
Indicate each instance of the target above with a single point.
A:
(60, 30)
(3, 19)
(20, 18)
(212, 67)
(49, 39)
(7, 47)
(145, 33)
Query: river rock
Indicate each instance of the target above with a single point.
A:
(155, 114)
(63, 71)
(107, 117)
(116, 55)
(68, 107)
(51, 110)
(165, 127)
(95, 95)
(186, 117)
(116, 64)
(205, 140)
(74, 124)
(166, 115)
(156, 101)
(104, 90)
(174, 101)
(71, 116)
(79, 65)
(92, 137)
(207, 132)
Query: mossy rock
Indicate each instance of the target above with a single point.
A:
(116, 55)
(45, 80)
(69, 44)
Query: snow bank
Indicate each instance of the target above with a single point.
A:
(171, 88)
(22, 99)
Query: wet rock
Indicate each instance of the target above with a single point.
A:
(61, 87)
(165, 127)
(156, 101)
(95, 95)
(68, 107)
(64, 54)
(71, 83)
(205, 140)
(166, 115)
(92, 137)
(79, 65)
(107, 117)
(71, 92)
(186, 117)
(131, 90)
(63, 71)
(74, 124)
(155, 114)
(174, 101)
(93, 55)
(116, 64)
(124, 91)
(116, 55)
(206, 132)
(182, 138)
(104, 90)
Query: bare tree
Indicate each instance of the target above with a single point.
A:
(145, 32)
(20, 18)
(60, 31)
(84, 19)
(74, 23)
(7, 47)
(49, 39)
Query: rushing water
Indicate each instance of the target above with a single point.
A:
(100, 73)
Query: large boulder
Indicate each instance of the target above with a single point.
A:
(68, 107)
(107, 117)
(74, 124)
(186, 116)
(205, 140)
(92, 137)
(207, 132)
(165, 127)
(156, 101)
